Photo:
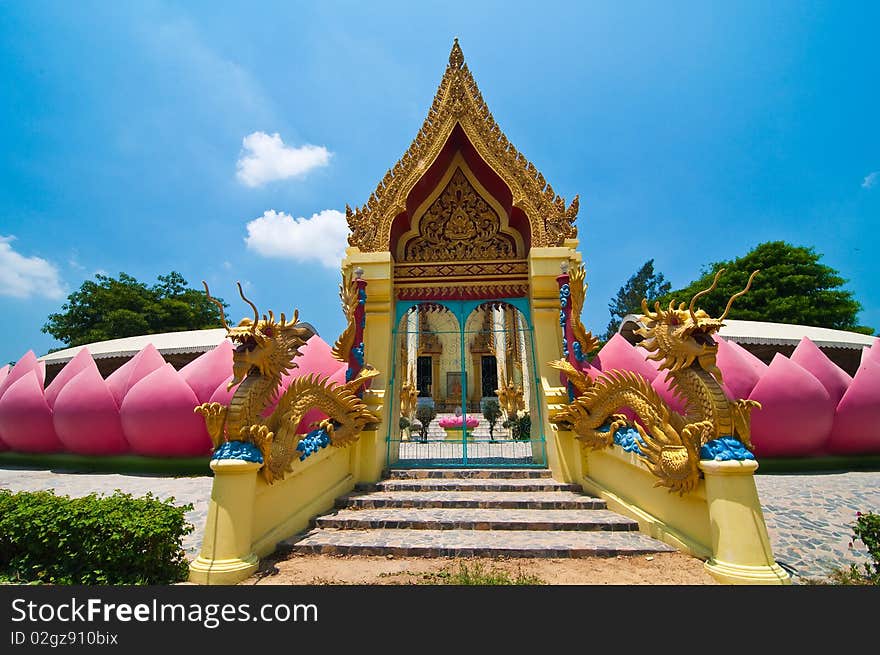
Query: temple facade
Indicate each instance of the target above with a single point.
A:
(460, 244)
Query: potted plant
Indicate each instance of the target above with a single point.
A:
(491, 412)
(425, 414)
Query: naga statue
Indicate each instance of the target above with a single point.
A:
(265, 350)
(681, 340)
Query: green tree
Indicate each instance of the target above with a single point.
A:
(643, 284)
(793, 287)
(111, 308)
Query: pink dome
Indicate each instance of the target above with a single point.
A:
(133, 371)
(207, 371)
(833, 378)
(23, 366)
(619, 354)
(857, 421)
(661, 386)
(739, 375)
(74, 367)
(86, 418)
(872, 352)
(25, 417)
(158, 418)
(759, 366)
(796, 415)
(3, 373)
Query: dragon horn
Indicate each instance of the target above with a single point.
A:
(283, 320)
(253, 306)
(271, 316)
(703, 293)
(737, 295)
(219, 306)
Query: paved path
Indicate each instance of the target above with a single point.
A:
(808, 516)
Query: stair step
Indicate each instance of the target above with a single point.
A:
(477, 519)
(471, 499)
(469, 484)
(493, 474)
(476, 543)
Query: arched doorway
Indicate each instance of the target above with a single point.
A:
(464, 386)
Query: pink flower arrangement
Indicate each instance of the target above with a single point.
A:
(455, 422)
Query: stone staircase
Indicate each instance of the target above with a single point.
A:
(473, 513)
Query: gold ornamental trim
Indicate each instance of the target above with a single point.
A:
(458, 101)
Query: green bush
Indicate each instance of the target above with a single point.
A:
(91, 540)
(867, 530)
(491, 412)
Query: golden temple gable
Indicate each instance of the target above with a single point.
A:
(458, 123)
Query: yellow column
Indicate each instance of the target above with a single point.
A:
(741, 552)
(226, 556)
(563, 454)
(378, 352)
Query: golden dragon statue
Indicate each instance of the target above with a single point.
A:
(265, 350)
(681, 339)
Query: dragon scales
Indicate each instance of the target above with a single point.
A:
(681, 339)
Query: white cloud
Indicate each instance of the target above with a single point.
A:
(871, 180)
(321, 238)
(23, 277)
(268, 159)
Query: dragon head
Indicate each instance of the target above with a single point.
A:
(263, 346)
(679, 336)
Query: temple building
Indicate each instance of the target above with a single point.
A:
(450, 243)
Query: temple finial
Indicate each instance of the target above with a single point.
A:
(456, 57)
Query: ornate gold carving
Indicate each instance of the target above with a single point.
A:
(681, 339)
(459, 101)
(349, 298)
(459, 225)
(445, 270)
(578, 287)
(462, 290)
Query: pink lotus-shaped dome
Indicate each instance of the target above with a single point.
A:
(856, 426)
(86, 417)
(619, 354)
(158, 418)
(74, 367)
(133, 371)
(23, 366)
(833, 378)
(457, 422)
(25, 418)
(206, 372)
(739, 375)
(796, 414)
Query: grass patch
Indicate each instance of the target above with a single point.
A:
(477, 574)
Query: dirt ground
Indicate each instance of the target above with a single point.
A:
(657, 569)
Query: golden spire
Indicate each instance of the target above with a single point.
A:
(458, 101)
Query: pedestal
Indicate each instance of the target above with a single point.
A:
(740, 544)
(455, 435)
(226, 556)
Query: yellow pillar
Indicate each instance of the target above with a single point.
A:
(741, 552)
(544, 266)
(226, 556)
(378, 271)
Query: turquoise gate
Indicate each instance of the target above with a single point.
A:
(457, 355)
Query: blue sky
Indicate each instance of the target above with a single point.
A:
(691, 131)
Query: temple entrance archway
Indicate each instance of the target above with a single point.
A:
(454, 362)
